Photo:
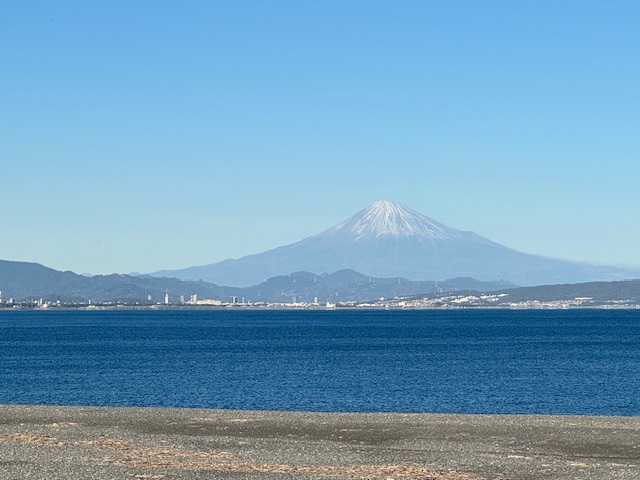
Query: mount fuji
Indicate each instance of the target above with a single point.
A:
(388, 239)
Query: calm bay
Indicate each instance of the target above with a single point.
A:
(461, 361)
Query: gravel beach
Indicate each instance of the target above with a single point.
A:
(42, 442)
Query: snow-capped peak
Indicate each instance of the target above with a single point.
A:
(385, 218)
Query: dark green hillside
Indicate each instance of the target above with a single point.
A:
(22, 280)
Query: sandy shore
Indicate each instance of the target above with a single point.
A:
(120, 443)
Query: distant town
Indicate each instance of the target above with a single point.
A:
(439, 300)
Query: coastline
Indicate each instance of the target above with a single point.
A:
(123, 442)
(287, 307)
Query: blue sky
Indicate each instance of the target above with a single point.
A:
(142, 135)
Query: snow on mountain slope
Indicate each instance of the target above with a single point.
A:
(387, 223)
(384, 218)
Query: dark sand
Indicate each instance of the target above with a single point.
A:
(123, 443)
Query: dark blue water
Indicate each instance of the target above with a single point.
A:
(469, 361)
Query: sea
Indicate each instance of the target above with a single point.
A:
(584, 362)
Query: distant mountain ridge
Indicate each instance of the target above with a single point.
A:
(388, 239)
(22, 280)
(351, 286)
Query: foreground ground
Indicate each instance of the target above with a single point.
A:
(122, 443)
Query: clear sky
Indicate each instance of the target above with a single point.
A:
(141, 135)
